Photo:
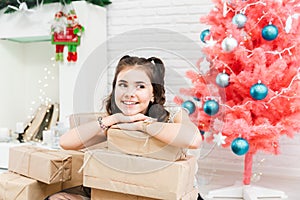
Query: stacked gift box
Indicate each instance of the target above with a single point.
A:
(136, 166)
(130, 165)
(36, 172)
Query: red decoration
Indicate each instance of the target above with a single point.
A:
(66, 31)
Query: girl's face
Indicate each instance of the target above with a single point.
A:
(133, 91)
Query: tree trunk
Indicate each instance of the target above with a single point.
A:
(248, 168)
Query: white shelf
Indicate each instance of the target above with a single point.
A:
(25, 26)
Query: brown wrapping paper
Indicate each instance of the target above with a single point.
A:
(139, 143)
(47, 166)
(76, 176)
(17, 187)
(137, 175)
(108, 195)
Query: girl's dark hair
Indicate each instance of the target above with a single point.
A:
(155, 70)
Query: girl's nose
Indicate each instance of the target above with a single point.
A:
(130, 92)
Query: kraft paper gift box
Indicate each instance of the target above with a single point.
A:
(108, 195)
(76, 176)
(48, 166)
(136, 175)
(139, 143)
(17, 187)
(77, 162)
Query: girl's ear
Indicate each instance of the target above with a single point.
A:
(152, 99)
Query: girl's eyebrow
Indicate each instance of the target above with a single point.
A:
(123, 81)
(140, 82)
(136, 82)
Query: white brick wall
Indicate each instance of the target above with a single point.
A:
(174, 16)
(182, 17)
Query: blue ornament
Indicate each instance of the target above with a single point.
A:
(269, 32)
(196, 99)
(189, 106)
(258, 91)
(203, 34)
(240, 146)
(239, 20)
(202, 132)
(222, 80)
(211, 107)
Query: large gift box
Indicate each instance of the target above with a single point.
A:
(136, 175)
(139, 143)
(108, 195)
(17, 187)
(76, 174)
(48, 166)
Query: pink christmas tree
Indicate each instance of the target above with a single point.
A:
(252, 88)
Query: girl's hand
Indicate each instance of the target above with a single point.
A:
(121, 118)
(136, 125)
(133, 126)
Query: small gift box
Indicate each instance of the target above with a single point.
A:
(47, 166)
(77, 175)
(17, 187)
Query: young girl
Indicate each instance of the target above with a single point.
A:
(135, 103)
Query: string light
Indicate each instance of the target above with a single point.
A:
(252, 4)
(281, 52)
(257, 175)
(296, 77)
(227, 67)
(43, 85)
(288, 49)
(226, 9)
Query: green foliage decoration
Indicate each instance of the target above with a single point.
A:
(33, 3)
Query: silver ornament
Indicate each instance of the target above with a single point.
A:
(222, 80)
(229, 44)
(239, 20)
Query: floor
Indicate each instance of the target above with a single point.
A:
(214, 180)
(211, 180)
